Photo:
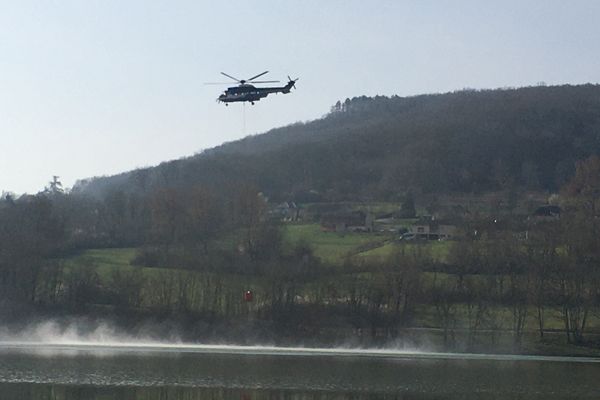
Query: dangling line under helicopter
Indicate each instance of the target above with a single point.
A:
(246, 91)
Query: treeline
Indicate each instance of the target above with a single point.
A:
(203, 233)
(503, 274)
(378, 148)
(200, 249)
(179, 231)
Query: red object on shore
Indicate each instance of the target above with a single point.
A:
(248, 295)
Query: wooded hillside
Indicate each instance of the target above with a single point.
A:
(378, 148)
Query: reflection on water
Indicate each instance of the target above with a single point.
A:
(48, 392)
(75, 375)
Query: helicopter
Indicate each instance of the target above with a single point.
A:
(246, 91)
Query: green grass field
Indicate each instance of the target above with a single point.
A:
(332, 247)
(436, 249)
(103, 261)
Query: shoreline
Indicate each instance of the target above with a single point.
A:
(35, 347)
(171, 332)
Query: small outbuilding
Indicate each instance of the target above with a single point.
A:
(432, 229)
(353, 221)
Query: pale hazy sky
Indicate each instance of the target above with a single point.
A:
(98, 87)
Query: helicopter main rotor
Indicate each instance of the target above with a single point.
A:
(242, 81)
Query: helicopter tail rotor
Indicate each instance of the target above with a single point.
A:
(292, 81)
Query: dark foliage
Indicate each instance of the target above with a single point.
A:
(378, 148)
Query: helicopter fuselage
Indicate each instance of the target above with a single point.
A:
(251, 93)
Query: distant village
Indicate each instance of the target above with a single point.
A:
(346, 218)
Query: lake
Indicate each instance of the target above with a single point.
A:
(39, 371)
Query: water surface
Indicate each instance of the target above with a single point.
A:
(73, 371)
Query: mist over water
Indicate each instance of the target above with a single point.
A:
(90, 359)
(52, 332)
(101, 334)
(101, 337)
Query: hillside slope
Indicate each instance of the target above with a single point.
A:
(375, 148)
